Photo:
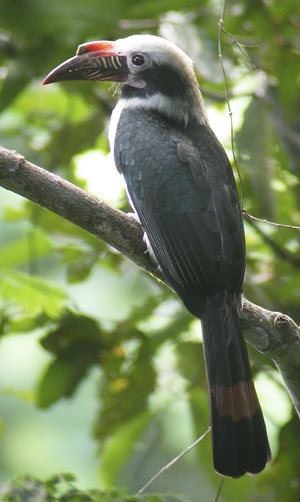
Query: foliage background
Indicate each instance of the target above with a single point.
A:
(101, 370)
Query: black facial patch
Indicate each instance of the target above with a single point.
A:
(159, 78)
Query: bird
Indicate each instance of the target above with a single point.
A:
(181, 186)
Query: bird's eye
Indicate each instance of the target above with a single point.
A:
(138, 59)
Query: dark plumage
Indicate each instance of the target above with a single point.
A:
(181, 185)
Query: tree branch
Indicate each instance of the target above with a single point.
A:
(272, 333)
(278, 336)
(65, 199)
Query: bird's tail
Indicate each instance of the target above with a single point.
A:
(240, 442)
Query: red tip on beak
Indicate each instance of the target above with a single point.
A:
(104, 48)
(99, 60)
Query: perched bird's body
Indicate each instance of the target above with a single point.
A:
(181, 186)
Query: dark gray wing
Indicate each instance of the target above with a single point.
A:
(181, 185)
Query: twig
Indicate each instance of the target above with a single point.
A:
(219, 489)
(172, 462)
(274, 223)
(220, 97)
(227, 95)
(240, 47)
(291, 258)
(220, 29)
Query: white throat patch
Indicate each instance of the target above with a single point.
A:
(173, 108)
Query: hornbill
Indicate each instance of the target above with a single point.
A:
(181, 186)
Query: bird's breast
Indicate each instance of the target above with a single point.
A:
(114, 121)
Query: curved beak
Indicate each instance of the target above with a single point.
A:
(93, 61)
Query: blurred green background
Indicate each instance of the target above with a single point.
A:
(101, 369)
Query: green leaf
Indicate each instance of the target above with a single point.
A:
(51, 223)
(80, 269)
(191, 363)
(125, 389)
(62, 488)
(119, 446)
(17, 78)
(78, 342)
(31, 247)
(32, 295)
(74, 331)
(62, 378)
(283, 473)
(254, 146)
(69, 136)
(24, 324)
(12, 214)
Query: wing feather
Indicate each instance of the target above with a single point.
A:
(182, 187)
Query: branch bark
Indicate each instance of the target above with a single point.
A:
(272, 333)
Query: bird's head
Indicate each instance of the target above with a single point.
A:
(152, 71)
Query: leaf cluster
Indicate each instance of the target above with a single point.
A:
(62, 488)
